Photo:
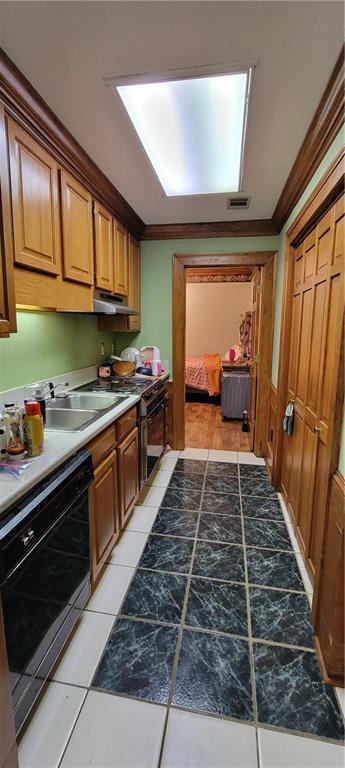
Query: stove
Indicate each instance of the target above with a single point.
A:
(153, 414)
(132, 385)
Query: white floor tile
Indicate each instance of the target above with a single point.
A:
(227, 456)
(171, 454)
(195, 453)
(167, 462)
(45, 739)
(340, 694)
(114, 732)
(151, 496)
(198, 741)
(142, 519)
(304, 574)
(111, 590)
(82, 654)
(161, 478)
(280, 750)
(129, 548)
(245, 457)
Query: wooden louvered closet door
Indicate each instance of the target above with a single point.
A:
(316, 335)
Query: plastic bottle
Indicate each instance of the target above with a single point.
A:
(34, 430)
(13, 421)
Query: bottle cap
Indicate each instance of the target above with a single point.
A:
(32, 408)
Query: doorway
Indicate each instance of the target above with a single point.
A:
(263, 265)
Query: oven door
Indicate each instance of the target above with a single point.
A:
(156, 434)
(42, 599)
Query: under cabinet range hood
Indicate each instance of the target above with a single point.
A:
(109, 304)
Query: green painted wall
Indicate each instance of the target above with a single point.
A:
(157, 280)
(47, 344)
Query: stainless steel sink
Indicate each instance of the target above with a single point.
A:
(68, 420)
(85, 401)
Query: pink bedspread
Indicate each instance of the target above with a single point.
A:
(196, 373)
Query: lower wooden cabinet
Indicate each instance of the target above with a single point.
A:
(128, 474)
(103, 513)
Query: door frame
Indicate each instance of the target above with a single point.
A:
(326, 192)
(264, 259)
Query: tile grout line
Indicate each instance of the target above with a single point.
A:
(249, 622)
(181, 628)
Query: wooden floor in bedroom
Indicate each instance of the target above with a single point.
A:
(204, 428)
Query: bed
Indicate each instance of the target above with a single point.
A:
(203, 374)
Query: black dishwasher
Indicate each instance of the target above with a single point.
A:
(44, 576)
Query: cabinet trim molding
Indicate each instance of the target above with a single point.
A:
(29, 109)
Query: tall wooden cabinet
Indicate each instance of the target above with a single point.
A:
(128, 472)
(77, 239)
(134, 286)
(7, 300)
(121, 259)
(103, 511)
(104, 252)
(35, 203)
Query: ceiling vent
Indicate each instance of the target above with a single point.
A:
(238, 203)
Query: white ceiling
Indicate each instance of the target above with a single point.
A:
(66, 49)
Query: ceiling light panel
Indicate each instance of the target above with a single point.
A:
(193, 130)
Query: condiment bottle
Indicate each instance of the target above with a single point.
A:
(34, 430)
(13, 420)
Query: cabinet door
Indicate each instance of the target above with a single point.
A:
(134, 287)
(128, 474)
(120, 259)
(7, 301)
(77, 239)
(103, 511)
(104, 259)
(35, 203)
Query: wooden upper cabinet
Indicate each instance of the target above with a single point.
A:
(120, 259)
(77, 235)
(104, 255)
(134, 284)
(35, 203)
(7, 300)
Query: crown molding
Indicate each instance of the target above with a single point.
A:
(27, 107)
(326, 123)
(244, 228)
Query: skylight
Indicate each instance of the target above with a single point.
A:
(192, 129)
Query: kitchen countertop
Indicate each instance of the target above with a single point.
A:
(58, 446)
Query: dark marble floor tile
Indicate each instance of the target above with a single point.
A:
(187, 482)
(252, 471)
(137, 660)
(178, 498)
(222, 469)
(282, 617)
(213, 675)
(221, 484)
(220, 528)
(291, 694)
(274, 569)
(259, 507)
(190, 466)
(222, 503)
(157, 596)
(218, 606)
(219, 561)
(256, 486)
(167, 553)
(175, 522)
(266, 533)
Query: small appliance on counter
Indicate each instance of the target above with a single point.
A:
(152, 355)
